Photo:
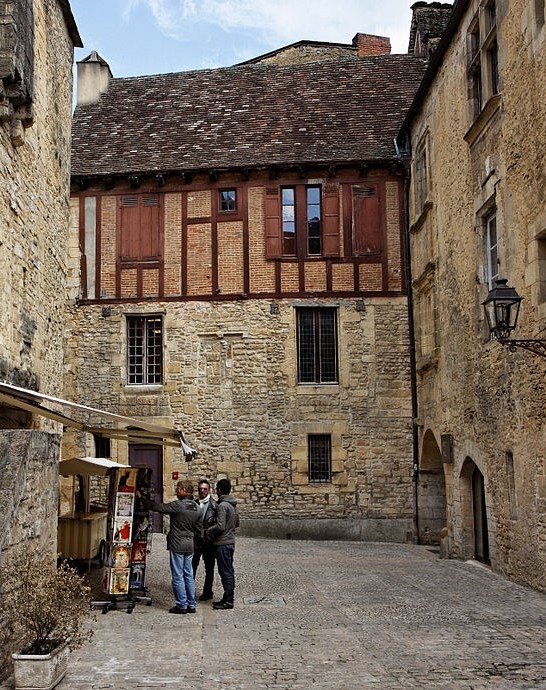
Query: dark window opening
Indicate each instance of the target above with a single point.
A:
(319, 453)
(227, 200)
(144, 350)
(288, 202)
(317, 345)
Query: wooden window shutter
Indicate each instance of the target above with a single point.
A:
(149, 227)
(129, 227)
(273, 226)
(330, 225)
(139, 230)
(367, 220)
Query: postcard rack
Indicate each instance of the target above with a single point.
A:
(128, 541)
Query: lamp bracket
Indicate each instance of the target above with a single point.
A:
(534, 345)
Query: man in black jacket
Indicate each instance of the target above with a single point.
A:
(185, 523)
(222, 535)
(202, 547)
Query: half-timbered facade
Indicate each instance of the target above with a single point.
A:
(238, 269)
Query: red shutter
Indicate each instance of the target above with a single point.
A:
(273, 225)
(130, 227)
(149, 227)
(139, 231)
(330, 225)
(367, 220)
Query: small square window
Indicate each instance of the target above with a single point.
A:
(319, 453)
(227, 200)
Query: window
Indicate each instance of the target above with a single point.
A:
(483, 70)
(491, 249)
(540, 13)
(317, 345)
(301, 220)
(421, 178)
(144, 350)
(227, 200)
(319, 454)
(511, 481)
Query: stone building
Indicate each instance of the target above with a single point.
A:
(238, 270)
(478, 213)
(37, 39)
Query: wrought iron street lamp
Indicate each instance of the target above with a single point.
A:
(502, 311)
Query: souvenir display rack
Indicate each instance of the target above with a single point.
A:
(128, 540)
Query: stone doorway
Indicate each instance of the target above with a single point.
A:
(431, 492)
(474, 513)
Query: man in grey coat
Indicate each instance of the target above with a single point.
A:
(222, 537)
(185, 524)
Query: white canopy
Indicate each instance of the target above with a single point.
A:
(124, 428)
(87, 466)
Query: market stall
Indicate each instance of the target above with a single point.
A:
(83, 507)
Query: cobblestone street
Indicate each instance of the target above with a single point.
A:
(341, 615)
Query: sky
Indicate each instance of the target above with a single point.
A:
(138, 37)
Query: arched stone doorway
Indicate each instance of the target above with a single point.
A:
(431, 492)
(475, 532)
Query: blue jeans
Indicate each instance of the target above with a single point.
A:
(182, 579)
(224, 559)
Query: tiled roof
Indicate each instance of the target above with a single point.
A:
(247, 116)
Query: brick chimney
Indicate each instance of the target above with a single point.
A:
(367, 44)
(93, 79)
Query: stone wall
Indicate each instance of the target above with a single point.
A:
(35, 124)
(488, 401)
(230, 384)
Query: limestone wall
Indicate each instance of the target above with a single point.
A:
(230, 384)
(489, 401)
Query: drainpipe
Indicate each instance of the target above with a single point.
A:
(404, 158)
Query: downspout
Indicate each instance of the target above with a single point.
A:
(404, 158)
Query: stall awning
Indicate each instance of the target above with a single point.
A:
(126, 429)
(87, 466)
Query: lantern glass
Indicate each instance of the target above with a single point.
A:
(502, 309)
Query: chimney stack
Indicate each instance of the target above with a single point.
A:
(93, 79)
(367, 44)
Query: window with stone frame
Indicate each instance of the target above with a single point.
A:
(540, 12)
(541, 263)
(420, 174)
(319, 456)
(144, 350)
(316, 330)
(483, 64)
(491, 246)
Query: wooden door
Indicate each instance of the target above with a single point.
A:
(151, 457)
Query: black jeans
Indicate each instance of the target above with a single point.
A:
(208, 553)
(224, 558)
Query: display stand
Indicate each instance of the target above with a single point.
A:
(128, 541)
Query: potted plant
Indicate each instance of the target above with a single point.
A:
(44, 608)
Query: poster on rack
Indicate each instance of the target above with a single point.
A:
(122, 529)
(139, 551)
(137, 576)
(127, 480)
(124, 505)
(119, 581)
(121, 556)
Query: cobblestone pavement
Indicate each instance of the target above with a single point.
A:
(317, 615)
